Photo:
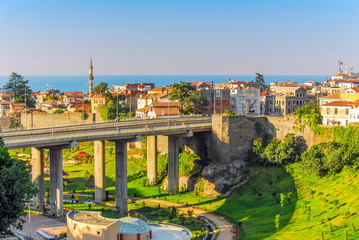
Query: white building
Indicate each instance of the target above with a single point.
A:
(336, 113)
(354, 115)
(245, 101)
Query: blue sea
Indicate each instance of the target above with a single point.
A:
(77, 83)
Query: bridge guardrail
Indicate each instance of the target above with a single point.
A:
(129, 121)
(83, 135)
(107, 124)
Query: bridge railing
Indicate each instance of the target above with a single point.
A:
(82, 135)
(104, 122)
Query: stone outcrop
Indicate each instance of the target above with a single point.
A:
(220, 177)
(185, 182)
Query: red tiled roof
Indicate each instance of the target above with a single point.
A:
(338, 104)
(158, 89)
(356, 89)
(265, 92)
(356, 102)
(81, 154)
(144, 110)
(8, 94)
(165, 104)
(334, 96)
(74, 94)
(96, 95)
(18, 104)
(3, 102)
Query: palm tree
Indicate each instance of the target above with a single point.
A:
(259, 79)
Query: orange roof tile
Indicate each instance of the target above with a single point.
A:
(338, 104)
(165, 104)
(334, 96)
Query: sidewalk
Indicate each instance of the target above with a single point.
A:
(40, 222)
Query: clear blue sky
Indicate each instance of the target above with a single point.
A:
(140, 37)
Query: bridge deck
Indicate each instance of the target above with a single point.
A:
(43, 137)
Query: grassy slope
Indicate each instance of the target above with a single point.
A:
(341, 187)
(257, 214)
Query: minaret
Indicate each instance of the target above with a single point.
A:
(91, 78)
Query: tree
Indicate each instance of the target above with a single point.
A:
(16, 190)
(51, 97)
(277, 222)
(259, 79)
(100, 88)
(109, 110)
(310, 112)
(190, 100)
(19, 86)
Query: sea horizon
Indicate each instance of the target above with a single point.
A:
(66, 83)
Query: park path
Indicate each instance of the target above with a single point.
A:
(223, 225)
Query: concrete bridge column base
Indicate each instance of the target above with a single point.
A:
(121, 176)
(152, 160)
(56, 181)
(37, 172)
(99, 166)
(173, 164)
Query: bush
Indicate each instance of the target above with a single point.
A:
(58, 111)
(278, 153)
(189, 164)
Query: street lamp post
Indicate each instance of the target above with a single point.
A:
(25, 109)
(116, 107)
(52, 111)
(130, 101)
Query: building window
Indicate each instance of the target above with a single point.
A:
(346, 111)
(288, 103)
(288, 110)
(335, 110)
(328, 110)
(283, 102)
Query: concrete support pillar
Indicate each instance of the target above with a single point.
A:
(173, 164)
(100, 177)
(37, 172)
(152, 160)
(121, 175)
(56, 181)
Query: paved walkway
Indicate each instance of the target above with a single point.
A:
(40, 222)
(223, 225)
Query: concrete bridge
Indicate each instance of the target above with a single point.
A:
(58, 138)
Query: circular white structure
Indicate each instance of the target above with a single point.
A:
(84, 225)
(134, 228)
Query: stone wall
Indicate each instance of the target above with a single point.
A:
(7, 122)
(38, 120)
(289, 124)
(231, 139)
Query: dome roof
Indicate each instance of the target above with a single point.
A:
(130, 225)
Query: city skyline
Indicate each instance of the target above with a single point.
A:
(177, 38)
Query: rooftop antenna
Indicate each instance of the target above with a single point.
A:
(340, 66)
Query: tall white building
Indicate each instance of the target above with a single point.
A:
(245, 101)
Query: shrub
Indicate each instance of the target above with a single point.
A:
(188, 164)
(58, 111)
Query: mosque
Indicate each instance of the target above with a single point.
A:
(92, 226)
